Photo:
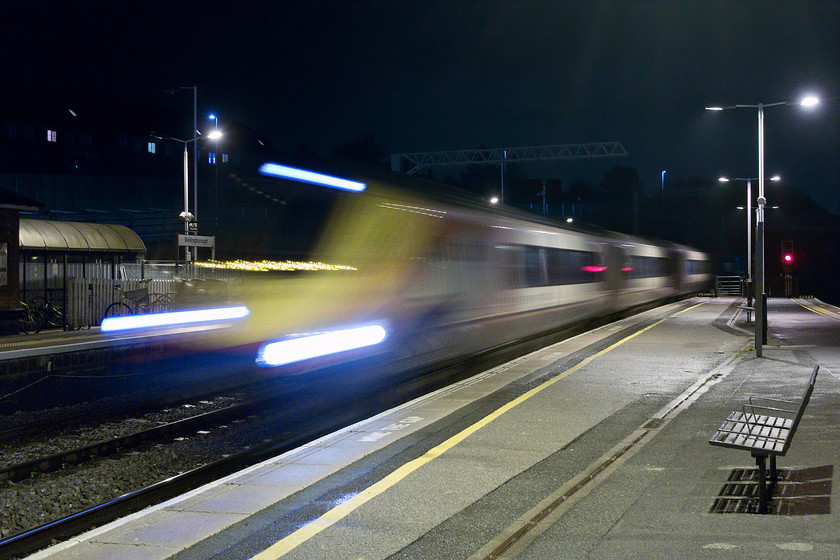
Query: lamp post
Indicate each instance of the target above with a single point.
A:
(749, 181)
(216, 167)
(186, 215)
(760, 307)
(195, 152)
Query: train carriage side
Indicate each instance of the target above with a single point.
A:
(648, 272)
(548, 276)
(695, 271)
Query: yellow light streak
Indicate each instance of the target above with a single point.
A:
(272, 266)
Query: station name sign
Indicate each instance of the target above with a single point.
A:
(196, 240)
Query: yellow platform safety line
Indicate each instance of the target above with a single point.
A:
(816, 309)
(339, 512)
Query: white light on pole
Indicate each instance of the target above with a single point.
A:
(749, 181)
(760, 310)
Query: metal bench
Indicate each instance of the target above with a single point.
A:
(764, 430)
(749, 310)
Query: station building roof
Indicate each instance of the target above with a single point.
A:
(48, 235)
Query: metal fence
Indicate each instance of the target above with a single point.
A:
(88, 298)
(774, 286)
(85, 291)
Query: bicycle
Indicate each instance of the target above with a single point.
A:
(32, 321)
(138, 301)
(53, 312)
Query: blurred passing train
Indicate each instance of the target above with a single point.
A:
(419, 276)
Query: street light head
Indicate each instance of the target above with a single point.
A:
(809, 101)
(215, 135)
(775, 178)
(211, 116)
(723, 180)
(714, 108)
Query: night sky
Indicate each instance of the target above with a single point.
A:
(438, 75)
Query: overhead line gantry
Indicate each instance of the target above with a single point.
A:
(419, 160)
(411, 163)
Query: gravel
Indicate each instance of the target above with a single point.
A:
(43, 498)
(17, 452)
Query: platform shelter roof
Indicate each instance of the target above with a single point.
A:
(48, 235)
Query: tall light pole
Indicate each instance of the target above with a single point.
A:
(216, 167)
(760, 307)
(195, 152)
(749, 181)
(186, 215)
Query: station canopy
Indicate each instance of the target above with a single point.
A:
(48, 235)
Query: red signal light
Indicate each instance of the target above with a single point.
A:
(788, 258)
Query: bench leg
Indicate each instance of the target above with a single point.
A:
(762, 482)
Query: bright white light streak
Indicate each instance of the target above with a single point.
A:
(322, 344)
(174, 318)
(284, 172)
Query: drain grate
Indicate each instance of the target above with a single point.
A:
(797, 492)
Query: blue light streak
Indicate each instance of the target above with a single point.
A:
(302, 348)
(284, 172)
(174, 318)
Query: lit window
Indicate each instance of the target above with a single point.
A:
(211, 158)
(225, 158)
(52, 136)
(152, 147)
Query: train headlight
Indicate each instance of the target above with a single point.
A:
(174, 318)
(298, 349)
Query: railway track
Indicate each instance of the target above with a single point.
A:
(31, 540)
(78, 455)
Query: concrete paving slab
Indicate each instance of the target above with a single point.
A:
(171, 529)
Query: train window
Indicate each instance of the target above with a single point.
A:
(568, 266)
(649, 267)
(533, 261)
(530, 266)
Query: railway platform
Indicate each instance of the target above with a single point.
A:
(594, 447)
